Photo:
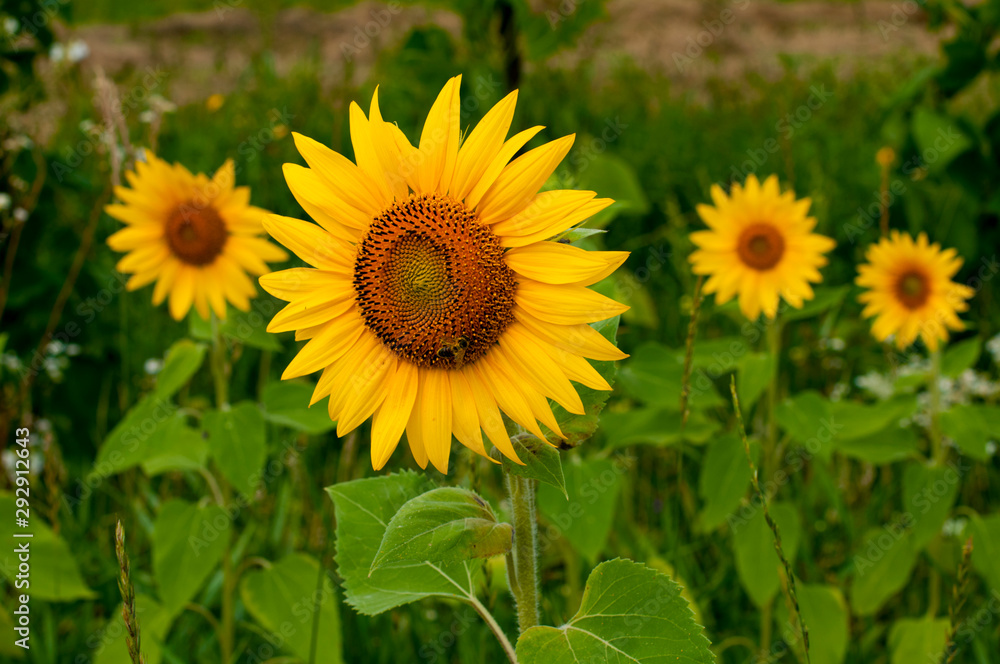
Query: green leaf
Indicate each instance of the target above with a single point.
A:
(656, 426)
(914, 640)
(363, 510)
(961, 356)
(154, 623)
(188, 543)
(807, 420)
(285, 598)
(7, 646)
(245, 327)
(855, 420)
(972, 427)
(755, 372)
(928, 494)
(725, 478)
(985, 533)
(55, 576)
(541, 462)
(446, 525)
(181, 448)
(575, 235)
(757, 560)
(578, 428)
(653, 374)
(613, 177)
(882, 566)
(236, 439)
(825, 299)
(181, 362)
(287, 403)
(933, 130)
(825, 614)
(892, 444)
(585, 518)
(140, 433)
(629, 613)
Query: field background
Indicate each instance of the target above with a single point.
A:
(666, 98)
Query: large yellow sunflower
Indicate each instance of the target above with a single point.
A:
(910, 291)
(434, 301)
(195, 237)
(760, 246)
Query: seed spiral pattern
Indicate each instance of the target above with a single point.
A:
(760, 246)
(432, 284)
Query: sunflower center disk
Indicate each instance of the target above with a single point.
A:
(431, 282)
(760, 246)
(912, 289)
(195, 234)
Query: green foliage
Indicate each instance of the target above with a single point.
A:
(542, 462)
(753, 546)
(725, 478)
(188, 543)
(236, 439)
(628, 613)
(446, 525)
(287, 403)
(155, 621)
(364, 510)
(285, 599)
(917, 640)
(881, 567)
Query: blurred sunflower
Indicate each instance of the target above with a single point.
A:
(760, 246)
(436, 301)
(195, 237)
(910, 291)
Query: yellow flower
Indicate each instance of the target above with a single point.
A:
(195, 237)
(760, 246)
(214, 102)
(885, 156)
(910, 291)
(434, 301)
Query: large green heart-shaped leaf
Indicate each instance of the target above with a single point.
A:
(445, 525)
(629, 613)
(236, 438)
(364, 509)
(285, 599)
(188, 543)
(881, 566)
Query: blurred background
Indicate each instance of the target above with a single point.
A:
(666, 97)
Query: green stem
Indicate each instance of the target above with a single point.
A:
(220, 377)
(938, 451)
(505, 643)
(220, 367)
(774, 349)
(522, 569)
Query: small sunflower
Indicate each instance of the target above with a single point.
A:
(435, 300)
(760, 246)
(195, 237)
(910, 291)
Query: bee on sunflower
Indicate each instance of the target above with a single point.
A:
(435, 299)
(759, 246)
(910, 292)
(196, 237)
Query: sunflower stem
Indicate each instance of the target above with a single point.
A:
(220, 377)
(774, 349)
(522, 564)
(938, 451)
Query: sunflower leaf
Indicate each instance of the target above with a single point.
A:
(578, 428)
(629, 613)
(363, 510)
(541, 461)
(444, 525)
(236, 438)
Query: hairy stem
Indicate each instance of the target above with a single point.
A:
(523, 574)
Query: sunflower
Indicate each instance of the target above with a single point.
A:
(195, 237)
(435, 301)
(910, 291)
(760, 245)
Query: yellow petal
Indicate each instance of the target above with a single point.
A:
(439, 141)
(556, 263)
(364, 151)
(330, 211)
(521, 180)
(493, 171)
(580, 339)
(182, 293)
(549, 213)
(347, 181)
(367, 390)
(490, 419)
(310, 242)
(565, 305)
(531, 362)
(464, 417)
(311, 310)
(391, 417)
(482, 146)
(337, 337)
(298, 281)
